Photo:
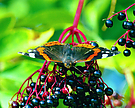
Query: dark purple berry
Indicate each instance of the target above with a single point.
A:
(79, 89)
(122, 41)
(124, 25)
(97, 73)
(133, 45)
(99, 91)
(49, 102)
(42, 104)
(114, 48)
(132, 33)
(42, 78)
(108, 91)
(29, 90)
(33, 84)
(126, 52)
(100, 85)
(94, 44)
(22, 104)
(15, 104)
(35, 102)
(128, 44)
(94, 100)
(134, 12)
(127, 25)
(70, 99)
(25, 98)
(57, 93)
(92, 82)
(121, 16)
(109, 23)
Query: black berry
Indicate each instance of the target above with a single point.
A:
(109, 23)
(97, 73)
(49, 102)
(108, 91)
(99, 91)
(42, 104)
(114, 48)
(122, 41)
(100, 85)
(121, 16)
(132, 33)
(35, 102)
(128, 25)
(15, 104)
(133, 44)
(129, 44)
(94, 44)
(33, 84)
(42, 78)
(126, 52)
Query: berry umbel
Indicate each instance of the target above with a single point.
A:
(127, 39)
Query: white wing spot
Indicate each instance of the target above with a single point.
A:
(104, 55)
(107, 52)
(32, 55)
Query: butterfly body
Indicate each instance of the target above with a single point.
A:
(67, 55)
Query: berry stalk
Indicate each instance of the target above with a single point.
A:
(78, 13)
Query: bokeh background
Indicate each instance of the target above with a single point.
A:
(26, 24)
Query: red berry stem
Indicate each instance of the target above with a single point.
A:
(125, 11)
(78, 13)
(73, 29)
(110, 101)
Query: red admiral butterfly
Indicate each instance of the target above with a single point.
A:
(63, 53)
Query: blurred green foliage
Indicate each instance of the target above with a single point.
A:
(26, 24)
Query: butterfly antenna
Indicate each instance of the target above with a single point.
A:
(78, 70)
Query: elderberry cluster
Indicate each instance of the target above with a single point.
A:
(77, 87)
(128, 41)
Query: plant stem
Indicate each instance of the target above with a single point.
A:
(78, 13)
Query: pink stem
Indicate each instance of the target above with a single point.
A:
(78, 13)
(78, 37)
(110, 102)
(122, 11)
(84, 37)
(64, 32)
(66, 37)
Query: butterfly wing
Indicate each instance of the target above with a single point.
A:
(52, 51)
(85, 52)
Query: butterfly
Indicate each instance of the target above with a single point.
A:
(67, 55)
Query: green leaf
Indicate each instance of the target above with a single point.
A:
(93, 12)
(20, 71)
(6, 23)
(12, 42)
(48, 18)
(5, 97)
(21, 40)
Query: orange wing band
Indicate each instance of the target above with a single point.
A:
(46, 57)
(85, 46)
(41, 52)
(96, 51)
(53, 43)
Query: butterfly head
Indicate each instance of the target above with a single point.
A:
(68, 64)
